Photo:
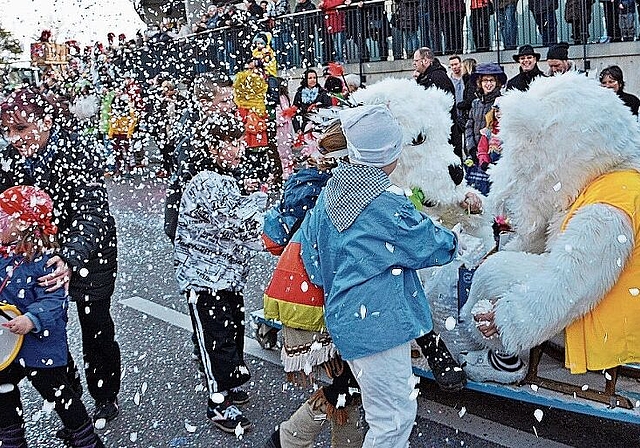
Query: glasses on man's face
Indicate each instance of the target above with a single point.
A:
(488, 81)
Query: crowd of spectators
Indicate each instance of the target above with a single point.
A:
(306, 32)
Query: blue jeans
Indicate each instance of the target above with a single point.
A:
(283, 46)
(337, 40)
(508, 26)
(411, 42)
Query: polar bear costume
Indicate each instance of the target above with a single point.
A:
(568, 181)
(429, 163)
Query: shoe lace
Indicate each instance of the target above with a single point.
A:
(232, 412)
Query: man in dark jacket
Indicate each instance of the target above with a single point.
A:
(430, 73)
(44, 155)
(304, 5)
(528, 60)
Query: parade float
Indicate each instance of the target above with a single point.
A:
(566, 150)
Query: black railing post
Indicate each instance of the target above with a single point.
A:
(361, 38)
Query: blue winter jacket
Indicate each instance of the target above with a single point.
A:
(373, 298)
(299, 196)
(46, 345)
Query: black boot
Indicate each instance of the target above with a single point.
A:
(274, 440)
(85, 437)
(13, 437)
(446, 371)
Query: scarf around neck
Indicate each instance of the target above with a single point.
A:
(350, 190)
(309, 95)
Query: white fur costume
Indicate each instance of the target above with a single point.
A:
(558, 137)
(425, 160)
(427, 155)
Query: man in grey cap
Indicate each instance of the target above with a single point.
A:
(363, 243)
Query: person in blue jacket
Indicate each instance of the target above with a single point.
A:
(362, 243)
(27, 238)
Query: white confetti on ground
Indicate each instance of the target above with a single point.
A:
(450, 323)
(136, 398)
(83, 272)
(534, 387)
(462, 411)
(6, 388)
(557, 186)
(396, 271)
(390, 247)
(634, 291)
(538, 414)
(363, 311)
(304, 286)
(585, 387)
(133, 436)
(239, 431)
(189, 427)
(100, 423)
(622, 239)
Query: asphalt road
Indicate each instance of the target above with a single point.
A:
(163, 399)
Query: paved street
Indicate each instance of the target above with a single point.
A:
(163, 399)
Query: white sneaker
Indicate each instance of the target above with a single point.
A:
(478, 368)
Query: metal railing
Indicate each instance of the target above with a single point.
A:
(376, 30)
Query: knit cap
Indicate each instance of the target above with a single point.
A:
(31, 205)
(373, 135)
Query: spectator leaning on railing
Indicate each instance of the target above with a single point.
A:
(304, 5)
(544, 13)
(508, 23)
(334, 21)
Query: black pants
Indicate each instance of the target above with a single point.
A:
(612, 20)
(480, 28)
(218, 322)
(100, 351)
(53, 385)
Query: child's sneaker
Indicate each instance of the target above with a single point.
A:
(238, 397)
(227, 416)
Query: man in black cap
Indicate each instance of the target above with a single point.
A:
(528, 60)
(558, 59)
